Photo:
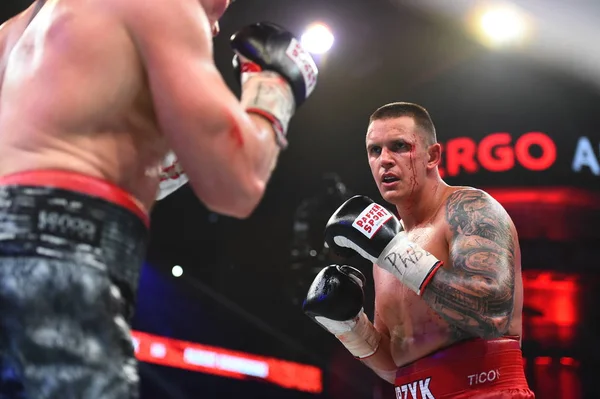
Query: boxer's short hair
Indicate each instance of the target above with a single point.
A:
(418, 113)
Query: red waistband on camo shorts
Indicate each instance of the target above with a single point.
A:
(77, 182)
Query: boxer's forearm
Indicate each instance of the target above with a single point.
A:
(381, 361)
(476, 295)
(265, 164)
(173, 177)
(471, 307)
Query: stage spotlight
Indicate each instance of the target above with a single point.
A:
(177, 271)
(317, 38)
(501, 25)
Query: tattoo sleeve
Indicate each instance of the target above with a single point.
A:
(475, 296)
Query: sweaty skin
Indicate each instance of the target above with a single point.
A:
(57, 113)
(478, 291)
(95, 87)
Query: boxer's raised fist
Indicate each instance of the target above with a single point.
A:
(336, 293)
(272, 48)
(277, 74)
(362, 226)
(335, 301)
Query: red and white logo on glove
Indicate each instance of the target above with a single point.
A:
(371, 219)
(305, 63)
(172, 176)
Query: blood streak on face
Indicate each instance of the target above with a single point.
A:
(412, 167)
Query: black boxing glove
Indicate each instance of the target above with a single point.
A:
(335, 301)
(367, 225)
(272, 54)
(367, 228)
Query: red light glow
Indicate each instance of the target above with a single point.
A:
(227, 363)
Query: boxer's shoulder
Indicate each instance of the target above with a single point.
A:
(472, 203)
(141, 13)
(5, 27)
(8, 30)
(4, 34)
(458, 195)
(468, 210)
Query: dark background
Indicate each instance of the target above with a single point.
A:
(244, 281)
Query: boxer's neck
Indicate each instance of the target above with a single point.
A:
(423, 204)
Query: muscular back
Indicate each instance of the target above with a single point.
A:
(418, 326)
(74, 96)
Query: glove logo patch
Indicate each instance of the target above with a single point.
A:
(172, 176)
(371, 219)
(305, 63)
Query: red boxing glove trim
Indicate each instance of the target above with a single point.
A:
(429, 277)
(250, 67)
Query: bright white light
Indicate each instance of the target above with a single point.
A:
(177, 271)
(317, 39)
(158, 350)
(503, 25)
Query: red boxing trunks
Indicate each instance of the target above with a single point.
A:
(474, 369)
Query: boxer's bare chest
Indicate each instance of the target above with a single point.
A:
(414, 328)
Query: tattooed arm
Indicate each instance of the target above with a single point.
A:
(476, 294)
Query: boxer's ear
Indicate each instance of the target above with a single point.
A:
(435, 155)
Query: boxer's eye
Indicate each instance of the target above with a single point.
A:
(374, 150)
(398, 146)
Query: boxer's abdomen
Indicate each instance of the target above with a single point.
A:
(415, 329)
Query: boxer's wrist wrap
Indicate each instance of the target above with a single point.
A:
(358, 335)
(267, 94)
(410, 263)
